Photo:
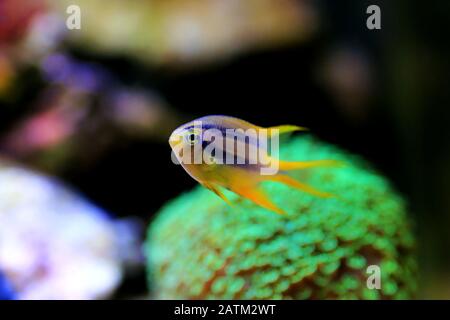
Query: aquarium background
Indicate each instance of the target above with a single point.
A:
(85, 117)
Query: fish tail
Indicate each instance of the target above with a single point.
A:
(287, 180)
(298, 165)
(287, 128)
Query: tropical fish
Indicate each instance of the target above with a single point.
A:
(238, 154)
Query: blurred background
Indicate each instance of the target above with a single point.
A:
(85, 116)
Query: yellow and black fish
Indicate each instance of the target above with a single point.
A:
(243, 174)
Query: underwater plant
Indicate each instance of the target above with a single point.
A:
(198, 247)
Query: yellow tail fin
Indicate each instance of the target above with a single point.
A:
(297, 165)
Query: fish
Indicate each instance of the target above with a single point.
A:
(221, 151)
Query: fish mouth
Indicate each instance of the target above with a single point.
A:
(175, 139)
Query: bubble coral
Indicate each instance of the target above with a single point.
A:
(198, 247)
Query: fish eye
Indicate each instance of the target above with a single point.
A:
(192, 138)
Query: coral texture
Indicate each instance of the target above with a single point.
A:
(198, 247)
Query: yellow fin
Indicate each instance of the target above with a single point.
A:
(287, 128)
(258, 197)
(299, 185)
(297, 165)
(218, 192)
(245, 184)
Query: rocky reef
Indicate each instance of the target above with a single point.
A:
(198, 247)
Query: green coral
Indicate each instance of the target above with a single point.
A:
(198, 247)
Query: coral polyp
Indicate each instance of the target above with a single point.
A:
(198, 247)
